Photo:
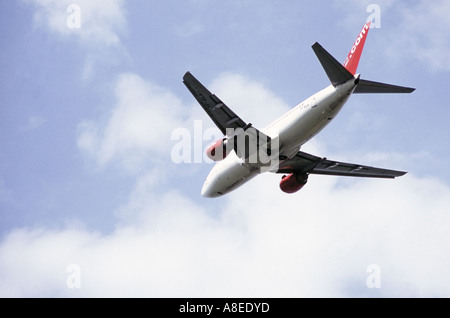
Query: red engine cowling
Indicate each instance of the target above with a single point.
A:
(293, 182)
(218, 150)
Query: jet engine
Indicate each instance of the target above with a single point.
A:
(218, 150)
(293, 182)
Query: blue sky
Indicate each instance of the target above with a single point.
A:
(87, 176)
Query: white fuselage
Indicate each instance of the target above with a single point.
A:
(293, 129)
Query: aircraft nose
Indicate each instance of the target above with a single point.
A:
(208, 191)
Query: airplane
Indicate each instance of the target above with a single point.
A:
(245, 152)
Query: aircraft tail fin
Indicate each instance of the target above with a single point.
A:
(340, 73)
(353, 57)
(336, 72)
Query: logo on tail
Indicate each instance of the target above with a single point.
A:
(352, 60)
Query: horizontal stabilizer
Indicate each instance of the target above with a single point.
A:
(336, 72)
(365, 86)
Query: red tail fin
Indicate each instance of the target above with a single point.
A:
(352, 60)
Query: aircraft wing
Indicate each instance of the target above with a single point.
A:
(306, 163)
(226, 120)
(220, 113)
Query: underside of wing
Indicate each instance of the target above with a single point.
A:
(365, 86)
(244, 139)
(220, 113)
(304, 163)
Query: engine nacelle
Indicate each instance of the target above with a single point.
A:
(293, 182)
(218, 150)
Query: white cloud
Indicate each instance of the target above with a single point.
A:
(255, 242)
(141, 122)
(101, 21)
(96, 26)
(139, 126)
(258, 243)
(250, 99)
